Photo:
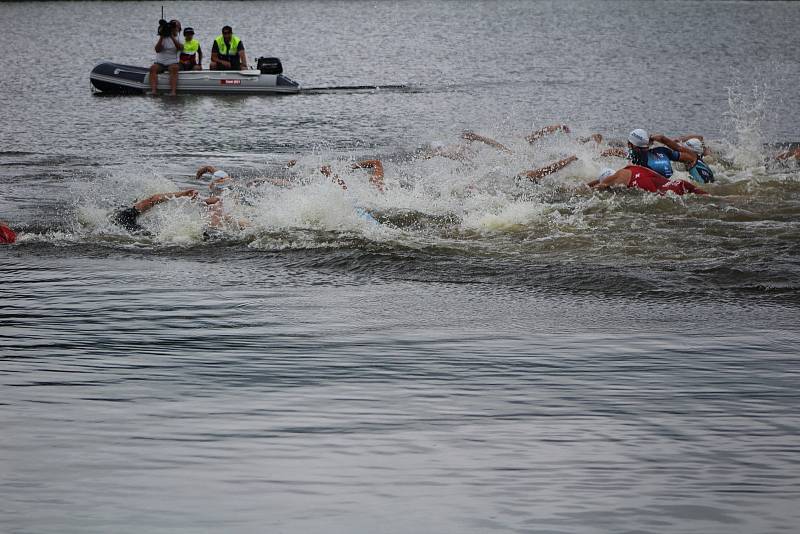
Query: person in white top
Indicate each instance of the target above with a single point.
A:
(168, 48)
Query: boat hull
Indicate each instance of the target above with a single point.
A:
(126, 79)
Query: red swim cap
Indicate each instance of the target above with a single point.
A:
(7, 235)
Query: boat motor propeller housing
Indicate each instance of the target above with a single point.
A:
(269, 65)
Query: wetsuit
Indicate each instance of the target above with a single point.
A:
(701, 173)
(7, 235)
(658, 159)
(127, 218)
(649, 180)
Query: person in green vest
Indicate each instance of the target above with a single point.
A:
(191, 57)
(228, 52)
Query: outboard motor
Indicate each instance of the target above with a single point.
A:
(270, 65)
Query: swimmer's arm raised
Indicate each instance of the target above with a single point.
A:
(686, 156)
(376, 176)
(205, 169)
(615, 151)
(472, 136)
(537, 174)
(538, 134)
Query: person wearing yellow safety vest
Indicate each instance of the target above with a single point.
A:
(228, 52)
(191, 56)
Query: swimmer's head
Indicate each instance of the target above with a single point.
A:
(695, 145)
(219, 174)
(605, 173)
(639, 138)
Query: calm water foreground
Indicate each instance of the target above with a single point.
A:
(494, 356)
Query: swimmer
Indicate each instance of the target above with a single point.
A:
(128, 217)
(636, 176)
(7, 235)
(794, 153)
(700, 172)
(657, 159)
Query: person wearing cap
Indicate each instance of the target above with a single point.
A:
(191, 57)
(167, 49)
(699, 171)
(220, 186)
(637, 176)
(658, 159)
(227, 52)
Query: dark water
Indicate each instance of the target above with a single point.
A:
(495, 355)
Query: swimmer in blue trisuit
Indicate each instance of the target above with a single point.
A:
(657, 159)
(128, 217)
(699, 171)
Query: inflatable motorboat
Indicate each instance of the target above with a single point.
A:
(268, 78)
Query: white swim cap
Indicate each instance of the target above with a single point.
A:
(605, 173)
(695, 145)
(219, 174)
(639, 138)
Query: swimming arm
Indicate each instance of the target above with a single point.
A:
(535, 136)
(205, 169)
(326, 170)
(376, 177)
(788, 154)
(472, 136)
(146, 204)
(685, 156)
(614, 151)
(536, 174)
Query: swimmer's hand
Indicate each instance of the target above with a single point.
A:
(192, 193)
(205, 169)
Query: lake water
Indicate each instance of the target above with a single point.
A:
(493, 355)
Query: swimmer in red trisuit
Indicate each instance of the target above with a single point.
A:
(7, 235)
(635, 176)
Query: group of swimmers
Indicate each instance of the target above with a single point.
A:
(225, 188)
(650, 169)
(650, 166)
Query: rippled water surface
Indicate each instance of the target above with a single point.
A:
(488, 355)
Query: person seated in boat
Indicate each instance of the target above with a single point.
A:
(7, 235)
(168, 46)
(227, 52)
(191, 57)
(128, 218)
(640, 177)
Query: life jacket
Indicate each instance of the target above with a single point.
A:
(701, 173)
(190, 48)
(223, 49)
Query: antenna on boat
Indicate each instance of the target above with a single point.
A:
(162, 12)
